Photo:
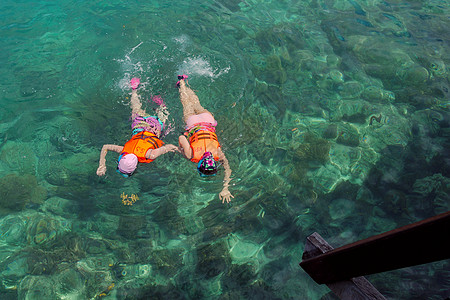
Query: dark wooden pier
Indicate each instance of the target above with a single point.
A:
(341, 268)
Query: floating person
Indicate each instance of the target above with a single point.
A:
(145, 145)
(199, 143)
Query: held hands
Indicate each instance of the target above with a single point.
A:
(225, 195)
(171, 148)
(101, 170)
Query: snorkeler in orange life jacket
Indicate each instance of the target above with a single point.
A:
(199, 143)
(145, 145)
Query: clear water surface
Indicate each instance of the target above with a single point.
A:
(334, 116)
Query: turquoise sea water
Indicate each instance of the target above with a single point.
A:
(334, 116)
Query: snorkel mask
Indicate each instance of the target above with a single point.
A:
(207, 166)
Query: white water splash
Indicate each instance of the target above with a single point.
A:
(183, 40)
(131, 67)
(201, 67)
(132, 50)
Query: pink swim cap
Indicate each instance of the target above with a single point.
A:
(128, 163)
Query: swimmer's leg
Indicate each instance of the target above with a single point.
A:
(136, 105)
(189, 100)
(163, 113)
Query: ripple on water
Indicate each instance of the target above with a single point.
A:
(369, 79)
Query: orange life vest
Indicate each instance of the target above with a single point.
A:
(201, 142)
(140, 143)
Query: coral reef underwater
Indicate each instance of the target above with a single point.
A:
(334, 116)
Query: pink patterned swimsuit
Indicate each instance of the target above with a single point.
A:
(203, 121)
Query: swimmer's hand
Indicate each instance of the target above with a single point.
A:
(171, 148)
(225, 195)
(101, 170)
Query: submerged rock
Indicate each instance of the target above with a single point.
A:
(274, 71)
(435, 188)
(348, 135)
(130, 290)
(13, 229)
(336, 76)
(379, 222)
(37, 287)
(54, 172)
(212, 259)
(166, 215)
(43, 229)
(96, 273)
(242, 250)
(375, 93)
(168, 261)
(19, 156)
(259, 289)
(436, 66)
(413, 75)
(351, 89)
(333, 60)
(129, 226)
(18, 191)
(326, 177)
(61, 207)
(216, 232)
(313, 149)
(341, 208)
(330, 132)
(69, 285)
(238, 277)
(15, 267)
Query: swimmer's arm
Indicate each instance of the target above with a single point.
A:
(102, 163)
(154, 153)
(185, 148)
(225, 194)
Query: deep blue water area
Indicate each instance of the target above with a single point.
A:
(334, 116)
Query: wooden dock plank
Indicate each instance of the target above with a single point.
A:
(358, 288)
(418, 243)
